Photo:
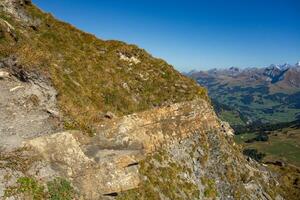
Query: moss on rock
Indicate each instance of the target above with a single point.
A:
(162, 178)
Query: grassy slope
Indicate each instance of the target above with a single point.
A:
(88, 73)
(282, 145)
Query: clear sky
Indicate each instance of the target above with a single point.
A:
(193, 34)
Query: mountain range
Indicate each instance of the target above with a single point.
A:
(254, 95)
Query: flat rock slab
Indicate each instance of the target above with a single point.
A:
(93, 172)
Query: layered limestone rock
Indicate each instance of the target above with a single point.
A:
(108, 162)
(175, 152)
(150, 130)
(93, 175)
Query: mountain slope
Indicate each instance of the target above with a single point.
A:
(154, 132)
(92, 76)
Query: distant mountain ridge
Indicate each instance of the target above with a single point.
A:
(254, 95)
(273, 73)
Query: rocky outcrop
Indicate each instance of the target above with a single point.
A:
(27, 106)
(139, 156)
(108, 162)
(94, 175)
(186, 140)
(149, 130)
(199, 160)
(16, 8)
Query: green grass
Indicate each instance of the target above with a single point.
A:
(285, 150)
(282, 145)
(240, 139)
(256, 112)
(253, 111)
(232, 117)
(60, 189)
(30, 188)
(287, 116)
(210, 188)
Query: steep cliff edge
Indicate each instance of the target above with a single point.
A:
(153, 133)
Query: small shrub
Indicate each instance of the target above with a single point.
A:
(29, 187)
(254, 154)
(60, 189)
(210, 189)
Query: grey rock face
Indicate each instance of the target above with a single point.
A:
(15, 8)
(206, 165)
(23, 108)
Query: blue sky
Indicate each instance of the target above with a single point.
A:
(193, 34)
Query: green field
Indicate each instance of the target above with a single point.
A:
(283, 145)
(243, 105)
(232, 117)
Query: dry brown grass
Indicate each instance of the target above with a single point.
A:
(88, 73)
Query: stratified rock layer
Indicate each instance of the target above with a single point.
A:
(181, 146)
(108, 162)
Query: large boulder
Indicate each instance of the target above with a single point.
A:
(93, 172)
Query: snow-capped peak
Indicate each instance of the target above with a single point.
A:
(285, 66)
(273, 67)
(279, 67)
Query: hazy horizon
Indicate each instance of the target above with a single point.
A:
(242, 67)
(193, 34)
